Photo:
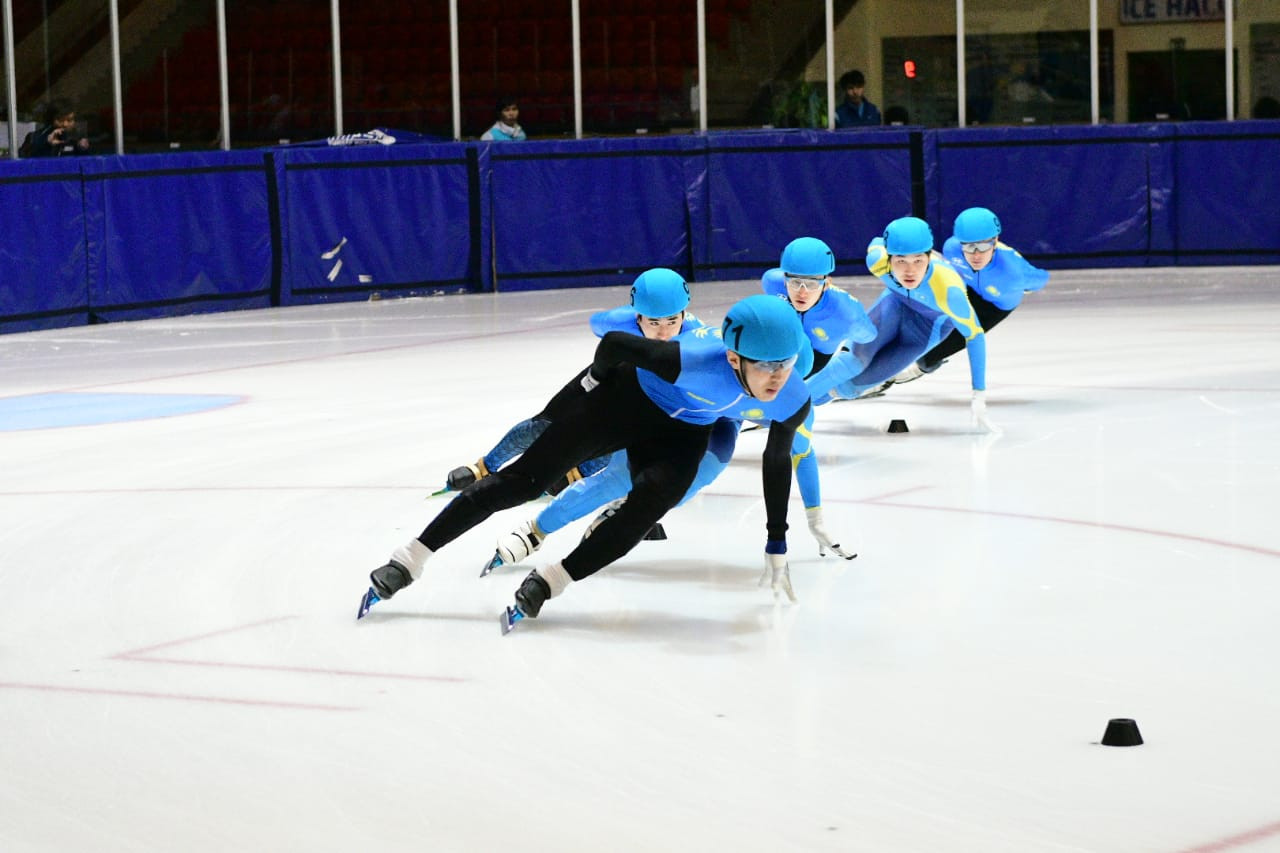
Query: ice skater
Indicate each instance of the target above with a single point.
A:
(833, 320)
(996, 275)
(923, 301)
(657, 400)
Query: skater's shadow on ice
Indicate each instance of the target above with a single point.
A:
(388, 616)
(681, 632)
(704, 573)
(612, 620)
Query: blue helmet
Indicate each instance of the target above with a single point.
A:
(659, 292)
(808, 256)
(976, 224)
(908, 236)
(763, 328)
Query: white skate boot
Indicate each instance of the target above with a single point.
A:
(515, 546)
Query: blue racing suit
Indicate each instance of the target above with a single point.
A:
(909, 322)
(836, 320)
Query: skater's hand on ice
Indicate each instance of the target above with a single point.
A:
(777, 572)
(819, 531)
(978, 412)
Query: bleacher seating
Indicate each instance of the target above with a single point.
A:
(637, 60)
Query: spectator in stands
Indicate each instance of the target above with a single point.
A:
(507, 128)
(856, 110)
(56, 135)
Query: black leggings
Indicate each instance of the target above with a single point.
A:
(664, 454)
(989, 316)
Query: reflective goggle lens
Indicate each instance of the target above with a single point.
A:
(805, 282)
(772, 366)
(975, 248)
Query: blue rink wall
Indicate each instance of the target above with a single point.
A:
(99, 239)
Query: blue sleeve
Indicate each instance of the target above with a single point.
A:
(841, 368)
(1033, 278)
(774, 282)
(805, 461)
(620, 319)
(976, 347)
(959, 307)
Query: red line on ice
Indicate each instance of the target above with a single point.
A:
(180, 697)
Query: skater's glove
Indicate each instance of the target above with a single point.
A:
(978, 412)
(589, 380)
(777, 572)
(819, 531)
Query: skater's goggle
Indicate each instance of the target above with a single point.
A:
(772, 366)
(805, 282)
(980, 246)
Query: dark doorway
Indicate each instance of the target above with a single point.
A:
(1177, 85)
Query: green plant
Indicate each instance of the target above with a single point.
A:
(801, 104)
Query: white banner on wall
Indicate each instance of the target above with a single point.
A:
(1171, 11)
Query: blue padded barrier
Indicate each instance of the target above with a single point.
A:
(44, 275)
(1227, 208)
(108, 238)
(176, 233)
(399, 219)
(1066, 196)
(590, 212)
(769, 187)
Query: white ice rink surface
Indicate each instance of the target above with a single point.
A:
(181, 668)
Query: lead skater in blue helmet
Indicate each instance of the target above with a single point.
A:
(657, 400)
(996, 275)
(923, 301)
(657, 310)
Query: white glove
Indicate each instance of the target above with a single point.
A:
(777, 574)
(824, 538)
(588, 381)
(978, 412)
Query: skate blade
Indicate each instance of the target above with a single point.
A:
(509, 618)
(370, 598)
(492, 564)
